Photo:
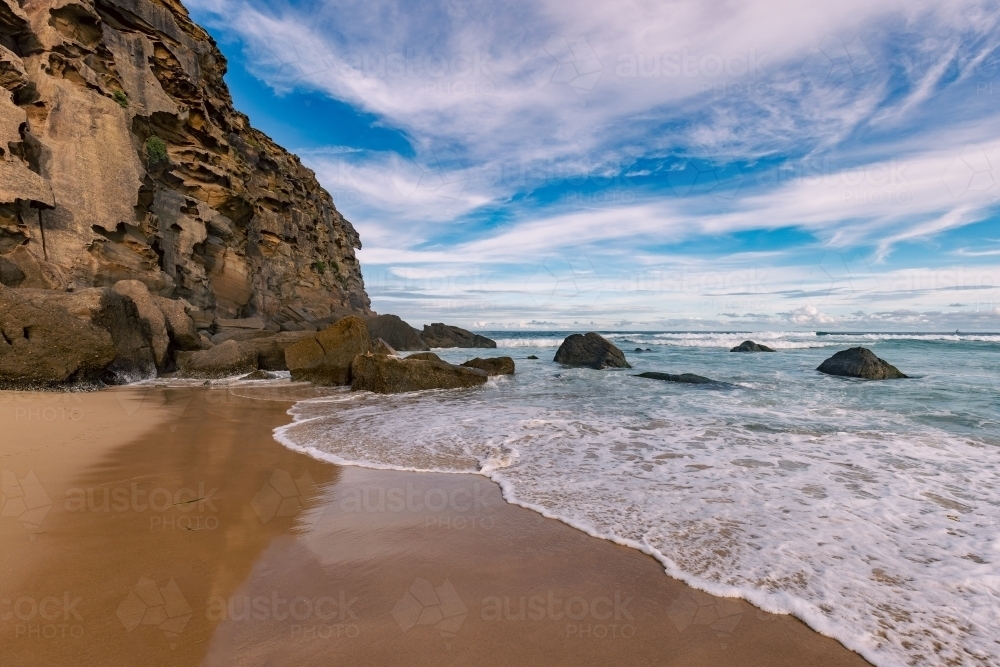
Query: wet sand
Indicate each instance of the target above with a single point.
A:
(161, 526)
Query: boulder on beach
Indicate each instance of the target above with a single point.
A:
(591, 350)
(683, 378)
(240, 335)
(180, 326)
(224, 360)
(397, 333)
(750, 346)
(392, 375)
(860, 362)
(443, 335)
(492, 365)
(379, 346)
(424, 356)
(154, 324)
(115, 313)
(48, 347)
(325, 358)
(270, 350)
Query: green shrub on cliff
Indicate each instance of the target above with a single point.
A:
(121, 98)
(156, 150)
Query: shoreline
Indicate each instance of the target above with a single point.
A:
(440, 567)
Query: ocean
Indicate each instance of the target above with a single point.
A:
(870, 510)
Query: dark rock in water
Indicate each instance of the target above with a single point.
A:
(325, 358)
(260, 375)
(532, 357)
(397, 333)
(379, 346)
(591, 350)
(648, 349)
(860, 362)
(684, 378)
(424, 356)
(493, 365)
(638, 349)
(224, 360)
(750, 346)
(48, 347)
(443, 335)
(391, 375)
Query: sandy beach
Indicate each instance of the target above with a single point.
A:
(161, 526)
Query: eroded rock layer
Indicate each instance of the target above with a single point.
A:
(122, 157)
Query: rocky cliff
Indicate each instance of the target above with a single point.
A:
(122, 157)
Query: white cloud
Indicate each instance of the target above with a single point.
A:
(500, 99)
(809, 316)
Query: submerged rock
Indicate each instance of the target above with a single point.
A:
(860, 362)
(325, 358)
(260, 375)
(391, 375)
(591, 350)
(397, 333)
(750, 346)
(532, 357)
(492, 365)
(48, 347)
(443, 335)
(684, 378)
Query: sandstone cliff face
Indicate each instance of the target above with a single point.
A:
(121, 157)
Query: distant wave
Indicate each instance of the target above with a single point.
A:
(779, 340)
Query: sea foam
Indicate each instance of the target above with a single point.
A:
(871, 510)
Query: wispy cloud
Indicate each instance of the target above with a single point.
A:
(621, 132)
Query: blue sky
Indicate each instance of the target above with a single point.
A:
(698, 164)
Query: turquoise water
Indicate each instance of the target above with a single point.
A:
(871, 510)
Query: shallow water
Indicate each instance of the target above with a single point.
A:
(871, 510)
